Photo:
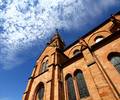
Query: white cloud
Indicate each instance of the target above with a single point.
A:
(28, 20)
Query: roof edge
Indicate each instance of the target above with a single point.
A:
(91, 31)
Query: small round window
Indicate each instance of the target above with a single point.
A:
(98, 39)
(76, 52)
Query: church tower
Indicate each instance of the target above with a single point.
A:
(45, 82)
(88, 69)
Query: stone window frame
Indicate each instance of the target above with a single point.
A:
(41, 84)
(109, 57)
(91, 39)
(85, 85)
(76, 51)
(71, 51)
(75, 84)
(44, 64)
(66, 86)
(98, 38)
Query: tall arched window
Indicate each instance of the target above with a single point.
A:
(44, 66)
(40, 92)
(70, 87)
(115, 60)
(81, 84)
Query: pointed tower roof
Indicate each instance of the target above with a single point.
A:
(56, 36)
(56, 40)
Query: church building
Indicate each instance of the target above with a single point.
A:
(87, 69)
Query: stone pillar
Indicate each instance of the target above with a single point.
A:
(56, 84)
(27, 91)
(100, 81)
(49, 90)
(76, 89)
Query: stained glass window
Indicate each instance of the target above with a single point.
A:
(44, 66)
(41, 92)
(81, 84)
(115, 60)
(70, 86)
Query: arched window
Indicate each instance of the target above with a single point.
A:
(115, 60)
(44, 66)
(40, 92)
(81, 84)
(98, 39)
(70, 87)
(76, 52)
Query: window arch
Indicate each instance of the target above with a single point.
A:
(70, 87)
(98, 39)
(76, 52)
(114, 58)
(40, 92)
(81, 84)
(44, 66)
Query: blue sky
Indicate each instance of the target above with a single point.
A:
(27, 25)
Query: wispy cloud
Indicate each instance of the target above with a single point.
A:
(23, 21)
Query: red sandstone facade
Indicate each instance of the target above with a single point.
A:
(101, 77)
